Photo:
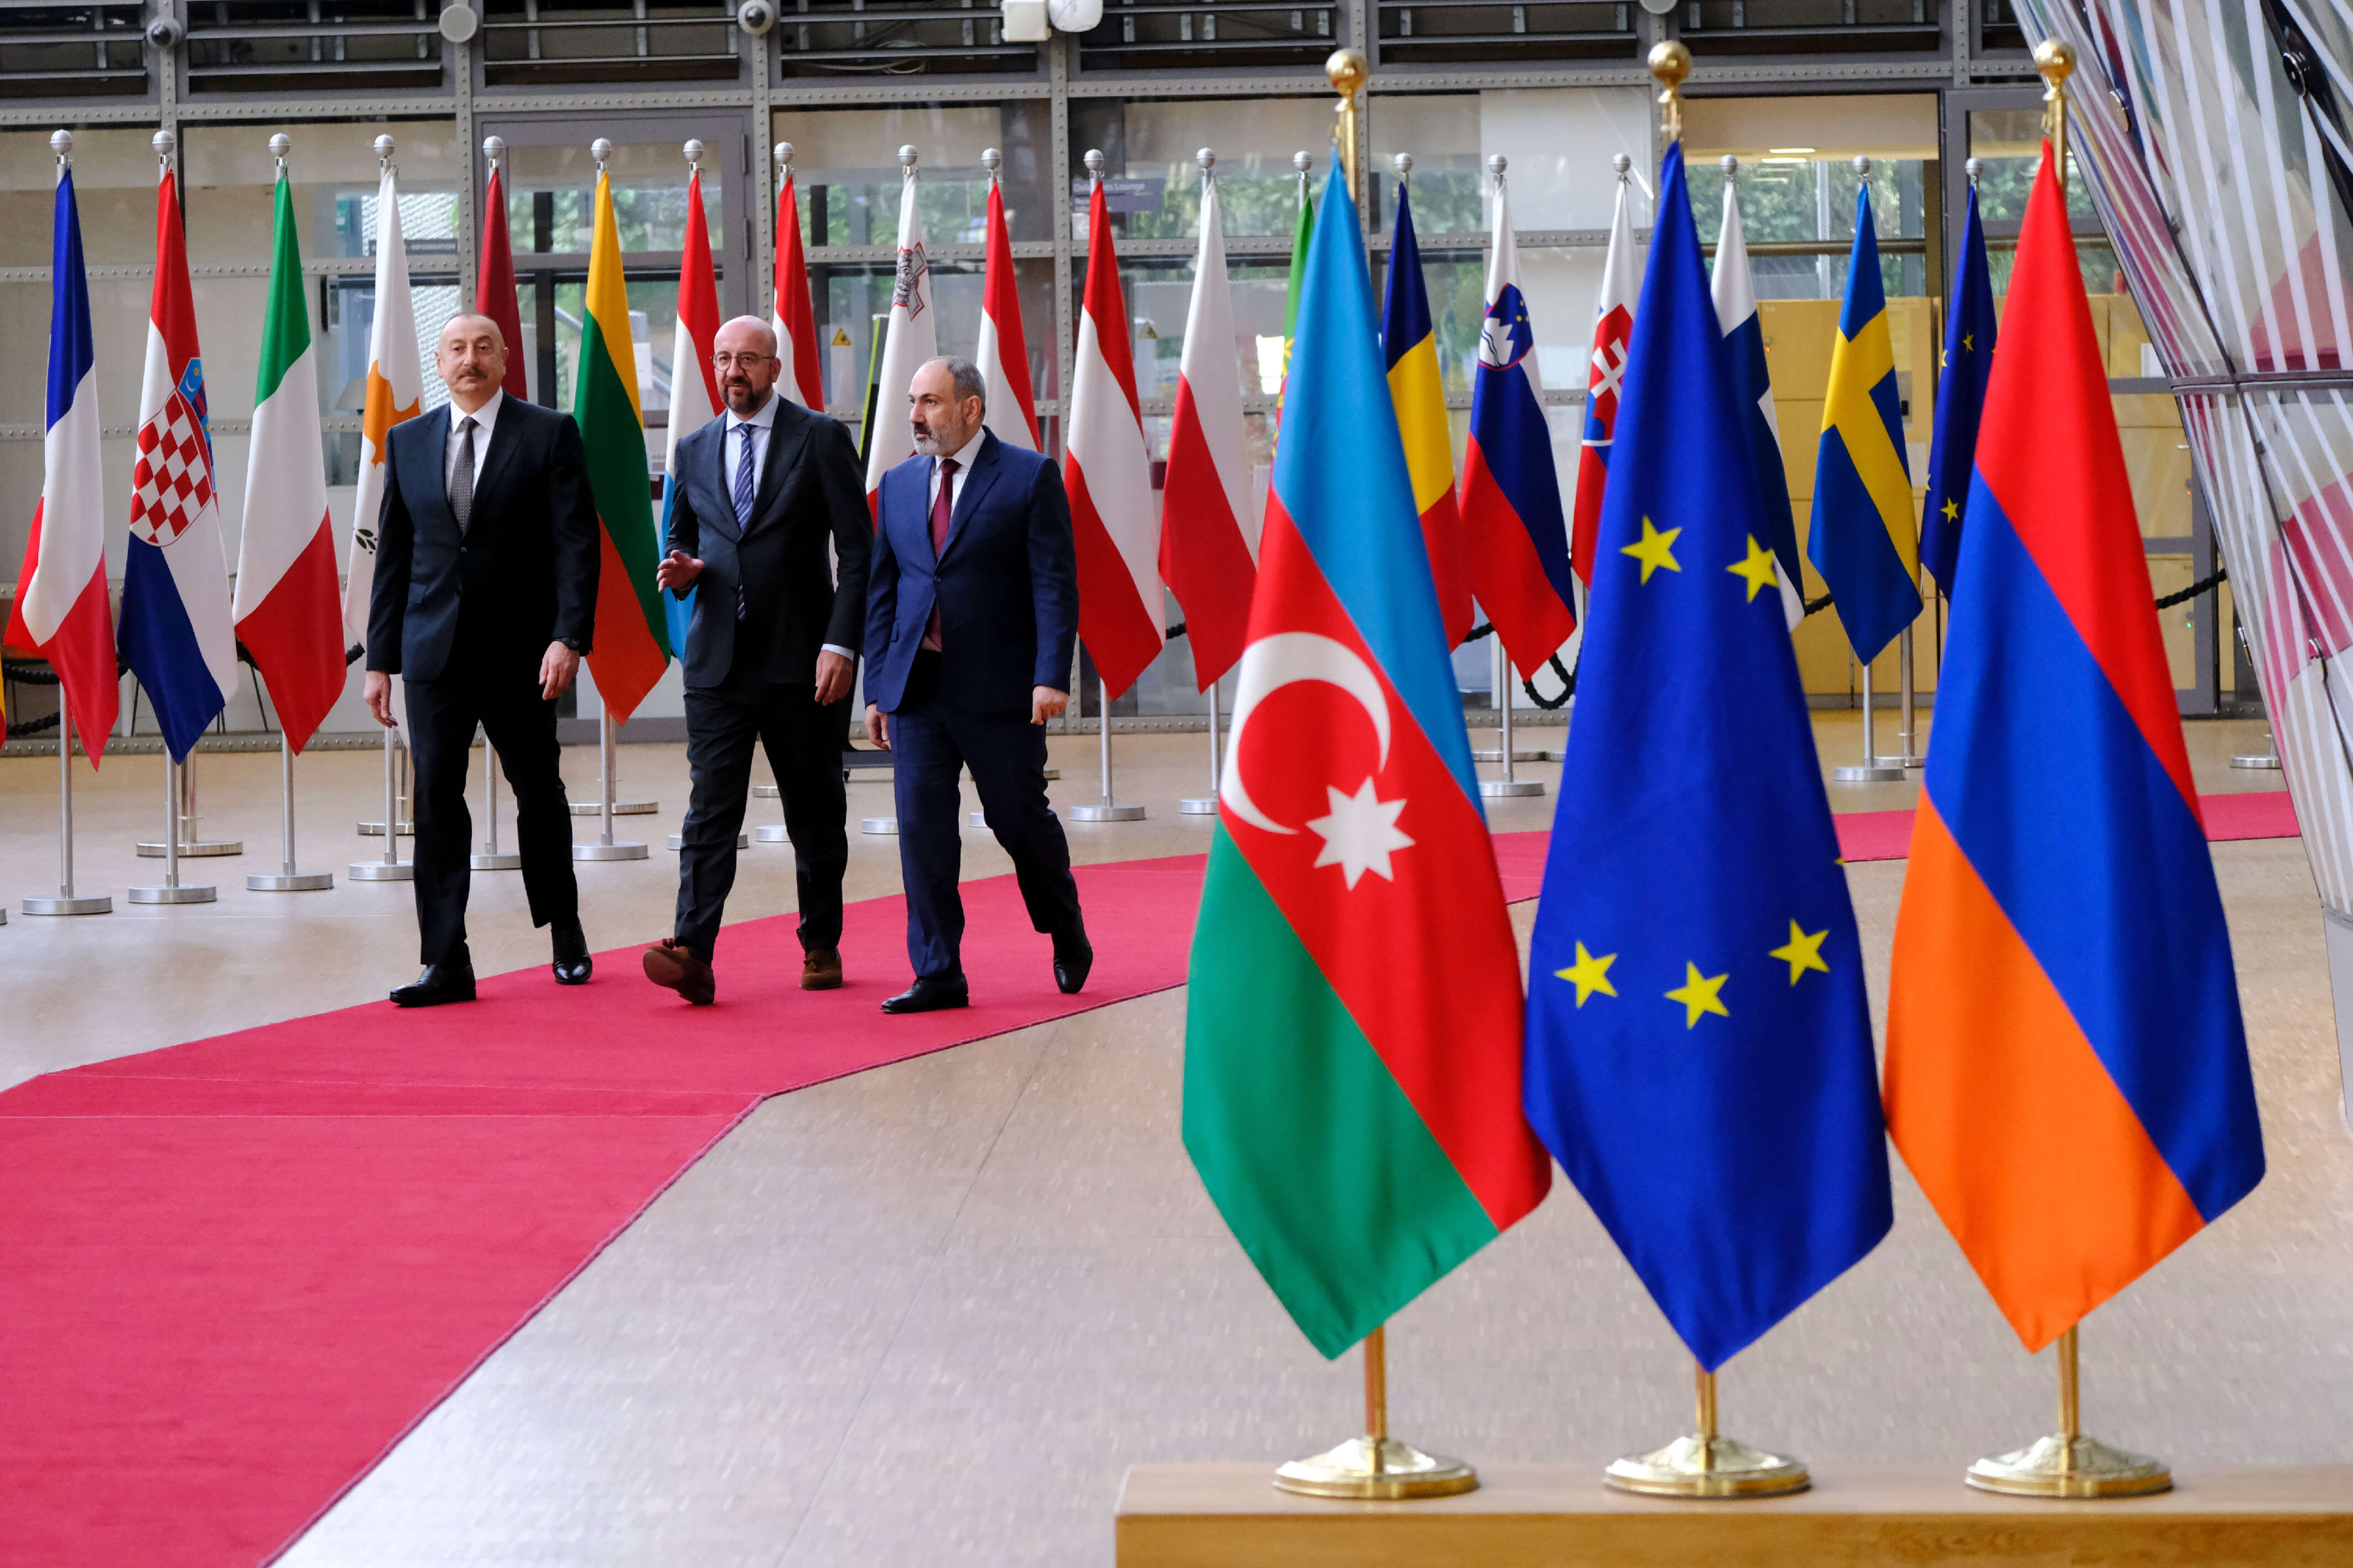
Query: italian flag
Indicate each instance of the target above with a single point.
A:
(289, 607)
(631, 647)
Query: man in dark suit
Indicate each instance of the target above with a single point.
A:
(970, 619)
(771, 652)
(484, 597)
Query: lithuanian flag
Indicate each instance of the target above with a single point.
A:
(632, 642)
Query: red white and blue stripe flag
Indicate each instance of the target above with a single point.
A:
(1513, 529)
(1613, 324)
(61, 611)
(2062, 1014)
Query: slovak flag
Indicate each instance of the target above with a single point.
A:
(1114, 522)
(1613, 324)
(61, 611)
(176, 634)
(1513, 529)
(1003, 351)
(694, 381)
(791, 319)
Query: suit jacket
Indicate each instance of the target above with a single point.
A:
(1006, 585)
(523, 573)
(811, 489)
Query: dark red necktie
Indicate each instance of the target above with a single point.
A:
(943, 510)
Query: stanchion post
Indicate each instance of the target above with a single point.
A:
(1206, 805)
(604, 848)
(490, 859)
(392, 867)
(1905, 672)
(66, 902)
(1109, 810)
(1510, 785)
(1871, 770)
(288, 879)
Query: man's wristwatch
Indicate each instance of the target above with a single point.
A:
(572, 643)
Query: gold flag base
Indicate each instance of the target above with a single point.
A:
(1376, 1467)
(2078, 1468)
(1707, 1467)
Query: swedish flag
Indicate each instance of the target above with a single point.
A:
(1863, 540)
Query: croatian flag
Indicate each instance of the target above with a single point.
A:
(61, 611)
(1003, 351)
(1513, 529)
(176, 634)
(790, 318)
(1613, 324)
(694, 383)
(1734, 291)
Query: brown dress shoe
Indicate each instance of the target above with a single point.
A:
(821, 969)
(669, 964)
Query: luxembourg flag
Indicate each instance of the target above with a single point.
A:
(61, 611)
(1004, 351)
(1108, 473)
(289, 609)
(1734, 291)
(694, 384)
(911, 339)
(396, 391)
(176, 634)
(1613, 324)
(791, 319)
(1208, 551)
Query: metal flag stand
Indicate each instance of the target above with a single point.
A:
(1109, 810)
(392, 867)
(170, 890)
(604, 848)
(189, 845)
(491, 857)
(1510, 783)
(1377, 1467)
(2067, 1464)
(1874, 768)
(1705, 1465)
(66, 901)
(288, 879)
(1206, 805)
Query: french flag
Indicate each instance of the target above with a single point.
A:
(61, 611)
(1513, 529)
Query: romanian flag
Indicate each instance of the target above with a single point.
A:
(1411, 345)
(1351, 1065)
(631, 646)
(2066, 1068)
(1862, 542)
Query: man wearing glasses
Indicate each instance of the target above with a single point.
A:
(770, 651)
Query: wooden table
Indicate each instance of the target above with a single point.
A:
(1559, 1516)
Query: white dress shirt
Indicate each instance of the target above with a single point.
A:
(485, 419)
(756, 427)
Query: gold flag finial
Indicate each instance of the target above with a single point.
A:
(1347, 69)
(1670, 62)
(2056, 61)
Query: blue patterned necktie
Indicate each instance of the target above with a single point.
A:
(745, 433)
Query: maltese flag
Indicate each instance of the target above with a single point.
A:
(1004, 351)
(911, 339)
(61, 611)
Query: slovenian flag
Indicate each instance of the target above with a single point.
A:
(1003, 354)
(1409, 341)
(1352, 1065)
(1735, 291)
(2067, 1066)
(790, 316)
(289, 607)
(1613, 325)
(694, 380)
(1515, 537)
(61, 611)
(176, 634)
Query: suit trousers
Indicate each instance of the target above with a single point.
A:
(804, 742)
(931, 740)
(442, 714)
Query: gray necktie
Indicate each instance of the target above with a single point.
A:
(462, 477)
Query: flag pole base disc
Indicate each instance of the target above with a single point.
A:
(2054, 1467)
(1870, 772)
(381, 871)
(770, 833)
(500, 862)
(1106, 813)
(2252, 761)
(1376, 1469)
(608, 851)
(1493, 788)
(1707, 1467)
(1495, 754)
(96, 904)
(198, 850)
(743, 840)
(766, 791)
(1197, 805)
(288, 881)
(376, 830)
(620, 807)
(197, 893)
(879, 824)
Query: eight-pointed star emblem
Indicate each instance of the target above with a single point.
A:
(1360, 832)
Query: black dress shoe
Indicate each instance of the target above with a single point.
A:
(930, 994)
(572, 965)
(1074, 956)
(441, 982)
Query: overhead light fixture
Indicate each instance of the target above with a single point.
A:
(1789, 152)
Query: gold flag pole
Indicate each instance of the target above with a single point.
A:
(1377, 1467)
(2056, 62)
(1348, 71)
(2067, 1464)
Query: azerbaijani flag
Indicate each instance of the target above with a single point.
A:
(1411, 343)
(2066, 1068)
(694, 381)
(631, 647)
(288, 607)
(1352, 1038)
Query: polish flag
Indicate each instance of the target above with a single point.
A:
(694, 383)
(911, 339)
(1108, 472)
(1613, 325)
(1003, 353)
(790, 317)
(1208, 551)
(61, 611)
(396, 391)
(289, 609)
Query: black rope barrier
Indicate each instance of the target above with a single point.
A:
(2203, 585)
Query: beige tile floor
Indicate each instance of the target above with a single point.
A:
(927, 1315)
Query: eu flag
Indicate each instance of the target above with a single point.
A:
(1962, 375)
(1699, 1053)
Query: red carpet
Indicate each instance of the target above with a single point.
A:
(2263, 814)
